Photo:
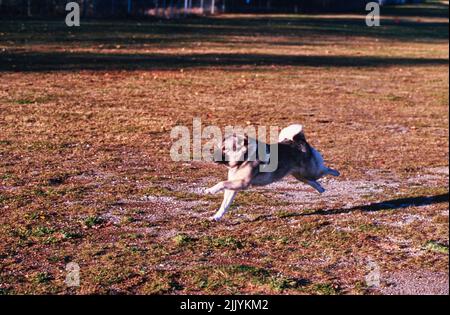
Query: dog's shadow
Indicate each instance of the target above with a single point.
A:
(393, 204)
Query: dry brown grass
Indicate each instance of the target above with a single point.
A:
(86, 176)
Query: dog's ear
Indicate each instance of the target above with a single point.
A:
(290, 132)
(300, 137)
(300, 140)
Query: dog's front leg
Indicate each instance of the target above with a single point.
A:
(231, 187)
(228, 198)
(236, 185)
(215, 189)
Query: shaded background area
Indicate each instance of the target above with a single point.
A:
(93, 61)
(277, 40)
(179, 8)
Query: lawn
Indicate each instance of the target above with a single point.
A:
(86, 175)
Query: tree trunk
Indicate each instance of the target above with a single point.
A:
(129, 6)
(85, 5)
(94, 8)
(171, 9)
(156, 7)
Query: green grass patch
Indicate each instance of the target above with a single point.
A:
(92, 221)
(326, 289)
(69, 235)
(234, 278)
(286, 214)
(41, 231)
(24, 101)
(224, 242)
(436, 247)
(183, 239)
(42, 277)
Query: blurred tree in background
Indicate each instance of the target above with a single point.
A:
(176, 8)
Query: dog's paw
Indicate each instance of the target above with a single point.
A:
(211, 191)
(321, 190)
(215, 218)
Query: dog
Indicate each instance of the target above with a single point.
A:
(295, 157)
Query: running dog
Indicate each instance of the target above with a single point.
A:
(295, 157)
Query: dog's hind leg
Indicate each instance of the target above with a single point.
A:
(311, 183)
(315, 185)
(228, 197)
(333, 172)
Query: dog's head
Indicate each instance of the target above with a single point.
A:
(236, 149)
(316, 165)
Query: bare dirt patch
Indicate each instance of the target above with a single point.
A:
(416, 283)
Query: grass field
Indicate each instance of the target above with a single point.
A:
(86, 175)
